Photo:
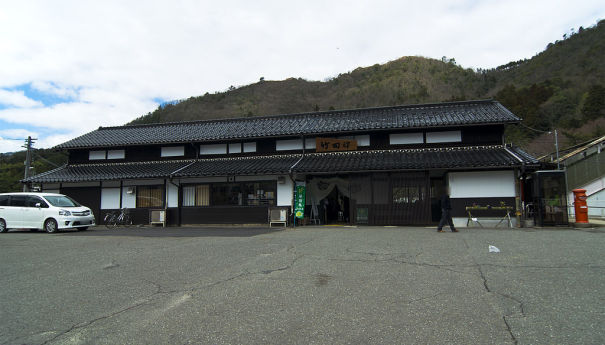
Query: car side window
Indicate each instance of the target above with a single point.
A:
(33, 200)
(18, 200)
(3, 200)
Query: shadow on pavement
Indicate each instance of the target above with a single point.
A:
(175, 232)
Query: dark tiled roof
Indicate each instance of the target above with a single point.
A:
(263, 165)
(410, 116)
(481, 157)
(110, 171)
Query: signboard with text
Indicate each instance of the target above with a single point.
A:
(299, 199)
(329, 145)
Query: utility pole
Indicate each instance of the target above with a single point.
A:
(28, 160)
(557, 148)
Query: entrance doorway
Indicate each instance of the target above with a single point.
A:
(329, 198)
(335, 208)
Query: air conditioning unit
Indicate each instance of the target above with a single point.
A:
(131, 190)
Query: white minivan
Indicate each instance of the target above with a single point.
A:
(46, 211)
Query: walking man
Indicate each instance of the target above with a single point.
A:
(446, 209)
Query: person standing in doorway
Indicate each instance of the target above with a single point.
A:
(446, 212)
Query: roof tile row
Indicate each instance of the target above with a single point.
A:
(357, 120)
(479, 157)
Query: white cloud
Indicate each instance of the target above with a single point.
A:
(112, 58)
(17, 98)
(17, 133)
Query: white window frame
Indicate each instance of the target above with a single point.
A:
(406, 138)
(116, 154)
(97, 155)
(172, 151)
(213, 149)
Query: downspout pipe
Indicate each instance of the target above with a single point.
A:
(170, 180)
(291, 175)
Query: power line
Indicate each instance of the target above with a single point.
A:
(535, 130)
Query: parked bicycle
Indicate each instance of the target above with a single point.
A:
(118, 218)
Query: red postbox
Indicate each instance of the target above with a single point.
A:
(580, 206)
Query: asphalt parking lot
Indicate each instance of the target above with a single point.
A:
(313, 285)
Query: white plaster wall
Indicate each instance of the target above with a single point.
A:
(128, 200)
(595, 192)
(285, 192)
(110, 198)
(172, 192)
(596, 204)
(482, 184)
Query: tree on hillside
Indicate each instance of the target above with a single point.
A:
(594, 105)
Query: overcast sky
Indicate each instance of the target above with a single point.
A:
(68, 67)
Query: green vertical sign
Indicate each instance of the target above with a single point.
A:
(299, 199)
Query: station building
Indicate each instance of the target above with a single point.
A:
(375, 166)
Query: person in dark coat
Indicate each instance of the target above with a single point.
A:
(446, 212)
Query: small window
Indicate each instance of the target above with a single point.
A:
(196, 195)
(150, 196)
(363, 140)
(310, 143)
(250, 147)
(214, 149)
(286, 145)
(406, 138)
(173, 151)
(97, 155)
(116, 154)
(3, 200)
(444, 137)
(235, 148)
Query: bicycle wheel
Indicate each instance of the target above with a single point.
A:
(108, 219)
(111, 221)
(126, 221)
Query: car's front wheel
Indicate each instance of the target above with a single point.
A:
(3, 225)
(50, 225)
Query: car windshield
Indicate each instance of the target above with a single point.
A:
(61, 201)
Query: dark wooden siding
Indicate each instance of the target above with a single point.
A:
(87, 196)
(391, 198)
(224, 215)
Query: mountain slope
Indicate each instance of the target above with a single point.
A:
(558, 88)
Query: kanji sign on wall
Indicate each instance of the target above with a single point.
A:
(299, 199)
(329, 144)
